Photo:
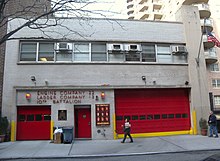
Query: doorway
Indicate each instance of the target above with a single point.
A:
(82, 121)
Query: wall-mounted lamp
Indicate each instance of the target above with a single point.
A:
(103, 95)
(28, 96)
(33, 78)
(143, 78)
(96, 98)
(186, 83)
(46, 82)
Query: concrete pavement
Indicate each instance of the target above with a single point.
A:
(91, 148)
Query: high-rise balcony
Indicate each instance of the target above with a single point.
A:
(208, 43)
(130, 6)
(143, 16)
(204, 10)
(130, 11)
(157, 2)
(189, 2)
(211, 56)
(207, 25)
(142, 7)
(143, 1)
(157, 16)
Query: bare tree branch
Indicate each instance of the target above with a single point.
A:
(54, 10)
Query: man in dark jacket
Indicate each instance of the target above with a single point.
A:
(212, 125)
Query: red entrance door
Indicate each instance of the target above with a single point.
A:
(83, 122)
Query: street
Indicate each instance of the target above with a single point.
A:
(186, 156)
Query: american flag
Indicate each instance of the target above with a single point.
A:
(212, 38)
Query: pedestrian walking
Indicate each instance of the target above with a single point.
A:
(212, 125)
(127, 130)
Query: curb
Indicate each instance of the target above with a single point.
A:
(109, 155)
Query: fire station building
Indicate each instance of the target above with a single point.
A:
(106, 71)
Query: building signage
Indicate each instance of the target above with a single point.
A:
(63, 96)
(102, 114)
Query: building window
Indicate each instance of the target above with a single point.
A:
(62, 115)
(148, 53)
(28, 51)
(179, 58)
(81, 52)
(115, 56)
(164, 54)
(46, 52)
(132, 56)
(214, 67)
(99, 52)
(64, 54)
(216, 83)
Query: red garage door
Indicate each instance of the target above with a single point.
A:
(153, 110)
(33, 123)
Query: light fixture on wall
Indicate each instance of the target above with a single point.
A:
(28, 96)
(96, 98)
(103, 95)
(186, 83)
(46, 82)
(144, 79)
(33, 79)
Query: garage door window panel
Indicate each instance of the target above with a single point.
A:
(47, 117)
(21, 118)
(30, 117)
(38, 117)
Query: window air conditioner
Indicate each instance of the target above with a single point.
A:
(179, 50)
(133, 47)
(115, 47)
(64, 46)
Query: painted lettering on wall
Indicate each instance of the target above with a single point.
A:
(63, 96)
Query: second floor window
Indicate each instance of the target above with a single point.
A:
(81, 52)
(99, 52)
(28, 52)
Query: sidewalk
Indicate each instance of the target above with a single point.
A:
(91, 148)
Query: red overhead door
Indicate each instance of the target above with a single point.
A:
(153, 110)
(33, 123)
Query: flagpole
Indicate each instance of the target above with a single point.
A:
(201, 40)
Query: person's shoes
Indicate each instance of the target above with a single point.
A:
(210, 135)
(216, 136)
(131, 141)
(122, 142)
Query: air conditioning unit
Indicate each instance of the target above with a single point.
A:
(179, 49)
(64, 46)
(115, 47)
(133, 47)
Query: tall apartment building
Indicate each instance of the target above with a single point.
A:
(210, 22)
(17, 8)
(144, 9)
